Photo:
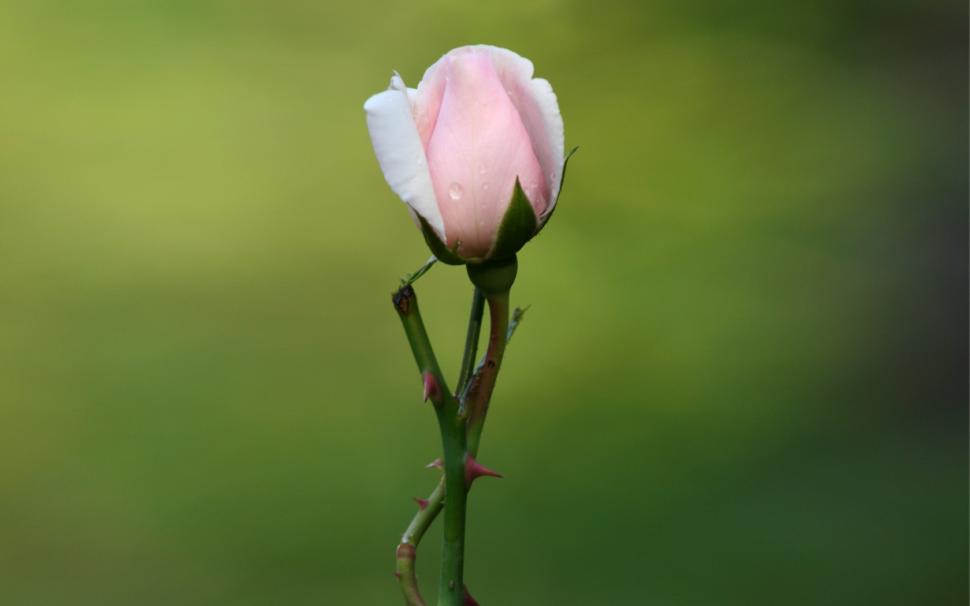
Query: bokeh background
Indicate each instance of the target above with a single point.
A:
(742, 379)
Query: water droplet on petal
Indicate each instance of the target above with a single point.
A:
(484, 186)
(455, 191)
(481, 169)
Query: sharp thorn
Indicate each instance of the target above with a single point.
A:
(468, 600)
(474, 469)
(431, 389)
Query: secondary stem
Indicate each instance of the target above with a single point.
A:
(479, 392)
(422, 520)
(407, 548)
(471, 338)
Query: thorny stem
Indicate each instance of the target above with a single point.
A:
(453, 440)
(475, 391)
(407, 549)
(433, 505)
(426, 514)
(454, 443)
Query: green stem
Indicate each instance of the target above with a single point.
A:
(425, 516)
(453, 440)
(407, 578)
(471, 339)
(407, 548)
(406, 304)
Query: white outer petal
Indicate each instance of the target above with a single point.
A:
(539, 110)
(400, 152)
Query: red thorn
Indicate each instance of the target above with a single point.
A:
(422, 503)
(436, 464)
(430, 387)
(468, 599)
(474, 469)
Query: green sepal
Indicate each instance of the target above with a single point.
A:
(562, 181)
(517, 227)
(438, 248)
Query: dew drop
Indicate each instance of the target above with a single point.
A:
(484, 186)
(455, 191)
(481, 169)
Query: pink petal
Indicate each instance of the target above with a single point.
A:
(478, 147)
(400, 152)
(539, 110)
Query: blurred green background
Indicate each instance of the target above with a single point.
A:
(742, 379)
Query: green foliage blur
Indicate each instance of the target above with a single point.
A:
(742, 379)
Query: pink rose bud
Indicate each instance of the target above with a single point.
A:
(476, 151)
